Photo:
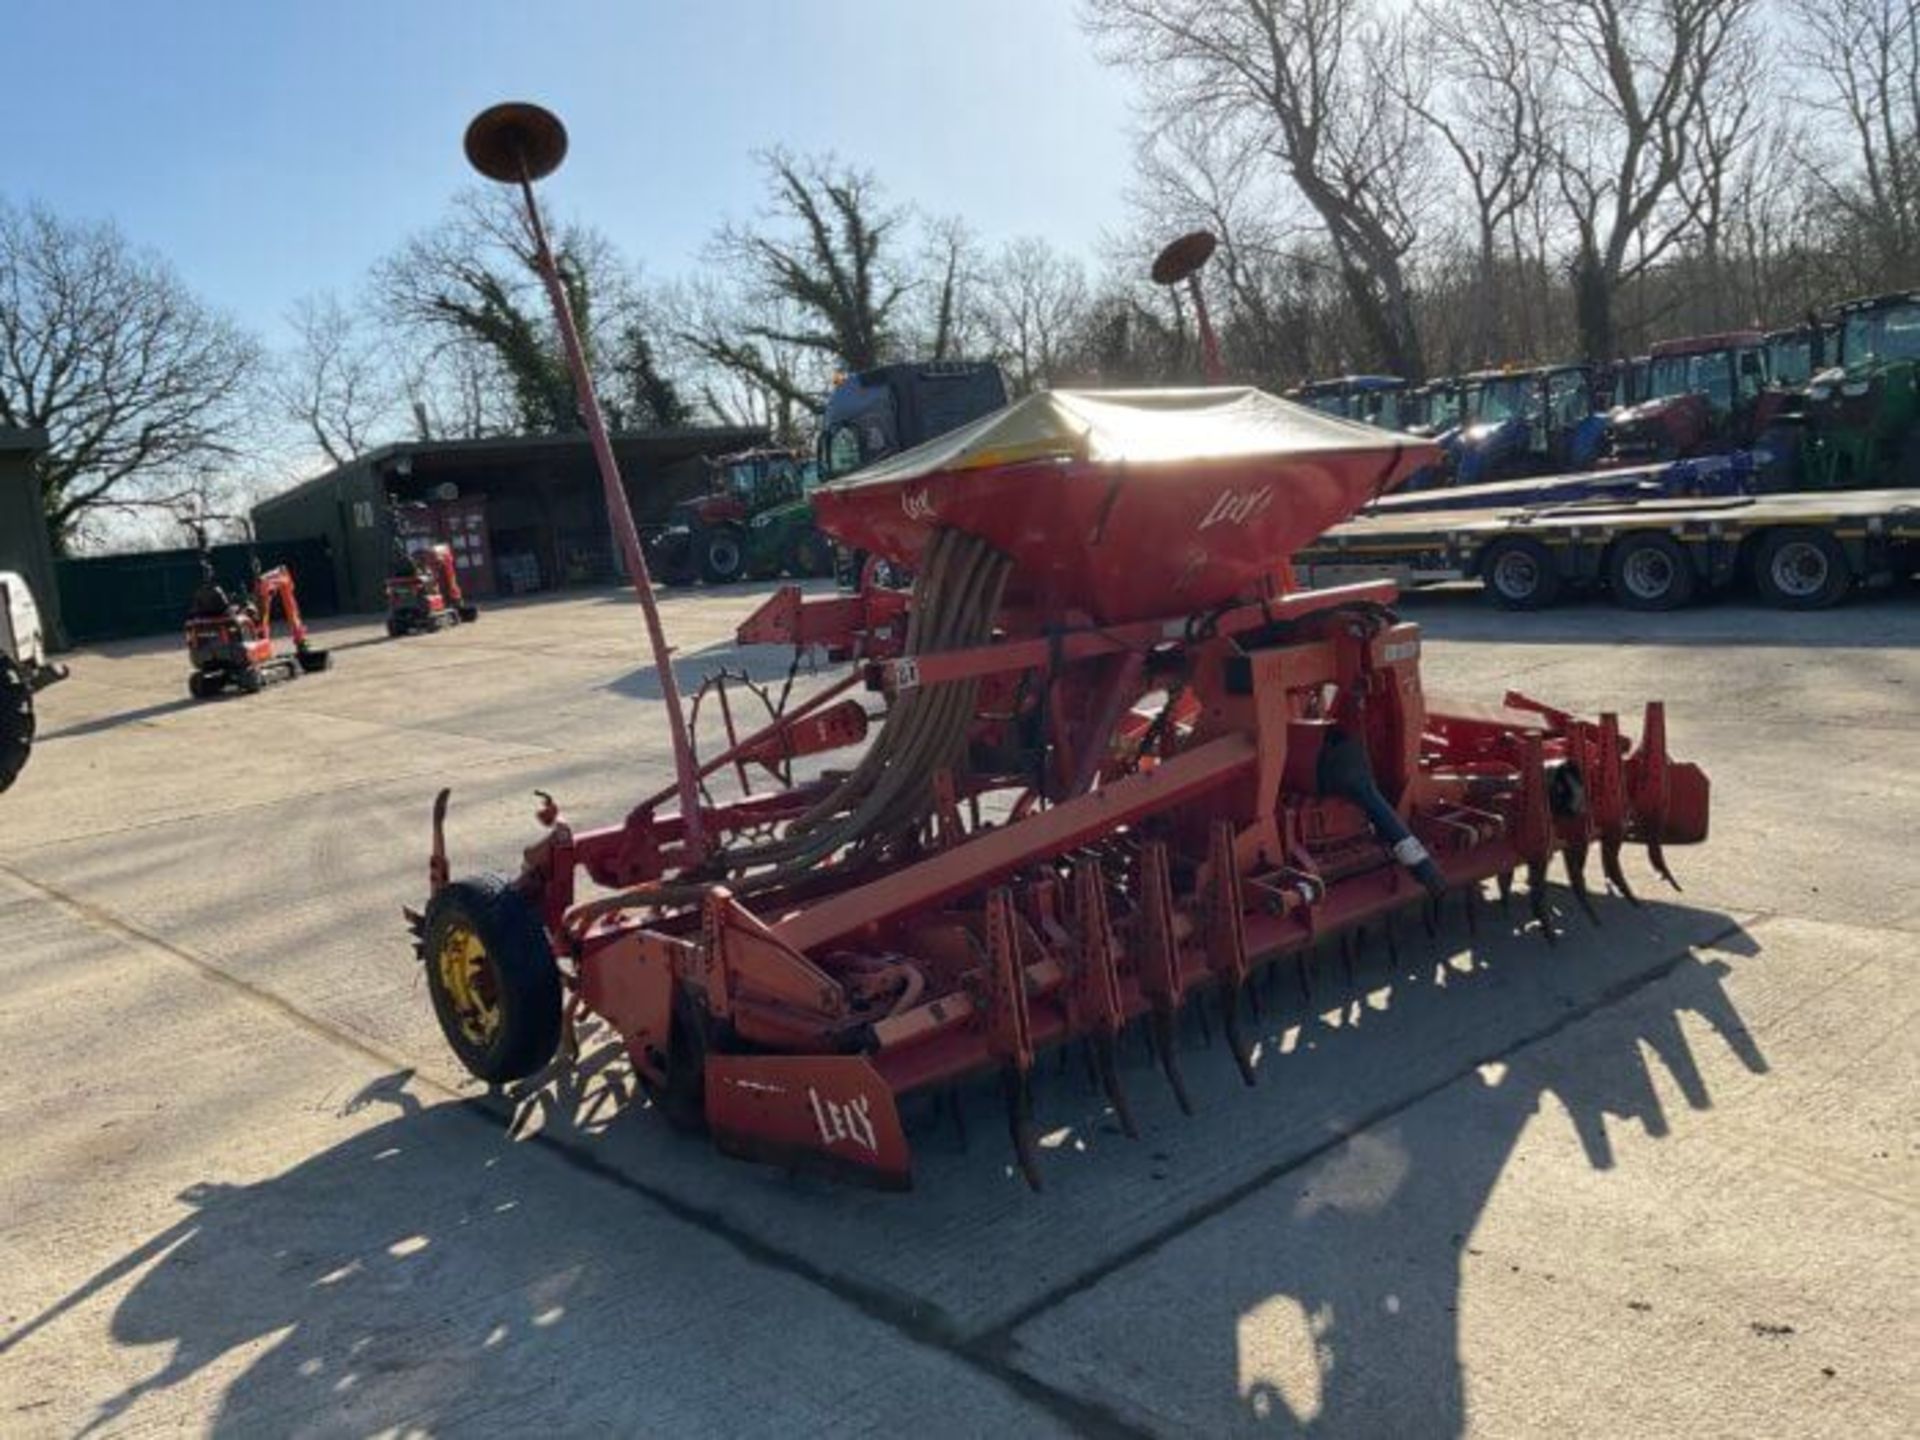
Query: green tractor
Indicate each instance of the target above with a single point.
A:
(754, 522)
(1862, 415)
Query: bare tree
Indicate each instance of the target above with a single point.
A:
(823, 253)
(334, 382)
(1637, 78)
(1865, 54)
(1036, 301)
(1304, 69)
(950, 266)
(471, 284)
(1485, 104)
(133, 378)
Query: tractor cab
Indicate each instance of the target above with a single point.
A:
(1371, 399)
(1528, 422)
(1699, 394)
(1863, 411)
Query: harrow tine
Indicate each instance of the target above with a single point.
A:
(1160, 1028)
(1020, 1124)
(1504, 880)
(1537, 899)
(1348, 945)
(1576, 858)
(1199, 1013)
(1430, 917)
(1616, 877)
(1659, 859)
(1300, 971)
(1469, 897)
(1253, 1000)
(1230, 1027)
(1390, 929)
(1109, 1076)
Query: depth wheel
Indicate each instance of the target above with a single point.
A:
(1520, 575)
(1800, 568)
(16, 721)
(682, 1101)
(495, 987)
(1651, 572)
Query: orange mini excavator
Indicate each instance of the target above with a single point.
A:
(230, 641)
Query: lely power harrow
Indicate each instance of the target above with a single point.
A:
(1121, 765)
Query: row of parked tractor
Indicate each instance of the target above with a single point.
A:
(1833, 403)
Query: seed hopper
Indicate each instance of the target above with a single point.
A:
(1103, 763)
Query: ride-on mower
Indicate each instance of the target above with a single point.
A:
(230, 642)
(1122, 766)
(423, 592)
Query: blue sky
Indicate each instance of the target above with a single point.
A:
(273, 149)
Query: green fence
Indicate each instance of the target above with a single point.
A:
(118, 597)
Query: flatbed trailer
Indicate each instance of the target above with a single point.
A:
(1801, 551)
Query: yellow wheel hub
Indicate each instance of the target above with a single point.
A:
(468, 980)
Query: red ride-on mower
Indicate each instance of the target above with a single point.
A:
(423, 593)
(230, 642)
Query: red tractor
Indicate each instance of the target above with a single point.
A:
(1701, 395)
(423, 592)
(230, 642)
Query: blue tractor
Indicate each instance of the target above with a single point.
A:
(1544, 421)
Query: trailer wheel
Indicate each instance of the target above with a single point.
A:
(495, 987)
(1651, 572)
(16, 720)
(1801, 568)
(722, 555)
(1520, 575)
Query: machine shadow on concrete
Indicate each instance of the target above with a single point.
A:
(412, 1276)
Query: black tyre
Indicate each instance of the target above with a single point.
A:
(468, 614)
(496, 989)
(723, 555)
(1520, 575)
(202, 685)
(396, 627)
(1801, 568)
(1651, 572)
(250, 680)
(16, 721)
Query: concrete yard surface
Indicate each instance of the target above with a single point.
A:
(1657, 1179)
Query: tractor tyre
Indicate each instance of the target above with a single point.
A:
(1651, 572)
(495, 987)
(1801, 568)
(723, 555)
(682, 1101)
(16, 720)
(1520, 575)
(810, 556)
